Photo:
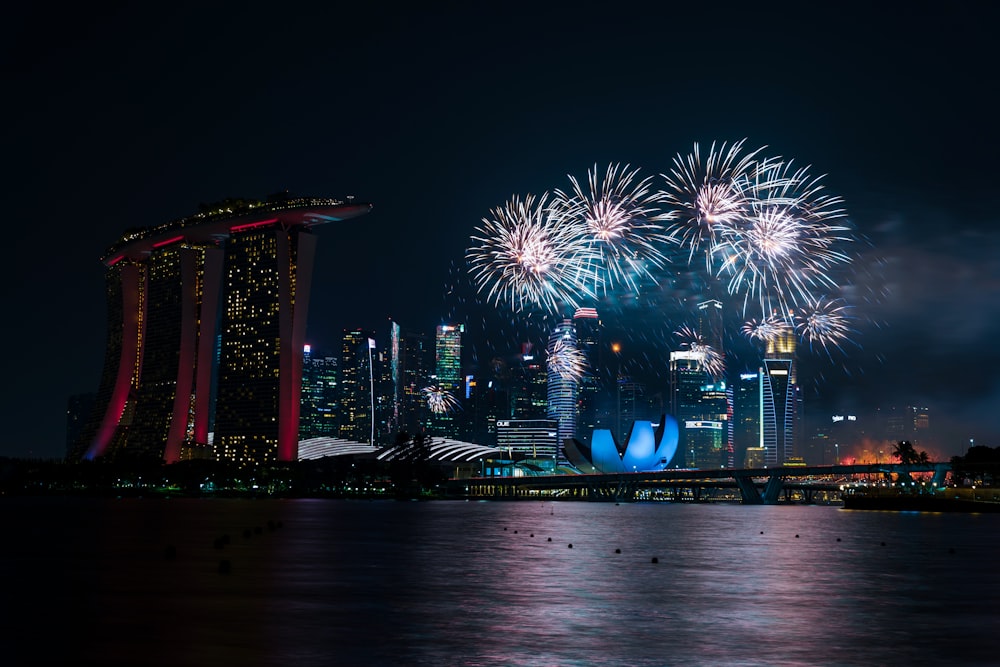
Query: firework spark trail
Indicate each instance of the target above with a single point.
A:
(824, 323)
(566, 360)
(709, 359)
(765, 329)
(702, 198)
(440, 401)
(621, 217)
(782, 251)
(771, 237)
(527, 258)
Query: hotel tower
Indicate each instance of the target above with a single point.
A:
(206, 326)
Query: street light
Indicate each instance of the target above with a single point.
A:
(837, 447)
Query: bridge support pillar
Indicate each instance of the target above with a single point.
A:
(773, 489)
(940, 473)
(748, 491)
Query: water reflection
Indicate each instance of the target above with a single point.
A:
(496, 583)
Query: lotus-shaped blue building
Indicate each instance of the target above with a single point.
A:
(646, 449)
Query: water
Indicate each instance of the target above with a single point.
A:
(89, 582)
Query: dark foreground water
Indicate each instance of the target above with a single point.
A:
(89, 581)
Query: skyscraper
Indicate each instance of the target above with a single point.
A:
(593, 383)
(705, 441)
(206, 325)
(357, 381)
(710, 323)
(410, 355)
(907, 423)
(528, 386)
(319, 394)
(487, 403)
(747, 415)
(717, 407)
(562, 387)
(781, 400)
(687, 377)
(448, 375)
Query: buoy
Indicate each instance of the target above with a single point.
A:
(570, 545)
(219, 543)
(796, 535)
(762, 532)
(247, 533)
(270, 525)
(550, 539)
(883, 544)
(258, 530)
(505, 527)
(655, 560)
(225, 567)
(618, 551)
(532, 535)
(170, 552)
(838, 539)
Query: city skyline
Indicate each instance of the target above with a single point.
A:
(117, 128)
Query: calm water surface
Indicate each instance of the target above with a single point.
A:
(89, 582)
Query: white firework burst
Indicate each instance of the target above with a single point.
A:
(790, 238)
(440, 401)
(619, 214)
(704, 197)
(566, 360)
(766, 329)
(709, 359)
(824, 322)
(527, 258)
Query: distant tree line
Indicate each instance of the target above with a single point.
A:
(980, 465)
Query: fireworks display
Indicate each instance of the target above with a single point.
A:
(765, 329)
(823, 323)
(440, 402)
(782, 249)
(566, 360)
(757, 233)
(703, 196)
(709, 359)
(620, 217)
(527, 258)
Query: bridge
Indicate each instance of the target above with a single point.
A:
(757, 486)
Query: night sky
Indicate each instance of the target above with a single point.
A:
(120, 116)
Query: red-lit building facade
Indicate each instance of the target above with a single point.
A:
(206, 326)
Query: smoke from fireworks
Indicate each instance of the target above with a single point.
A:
(566, 360)
(440, 401)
